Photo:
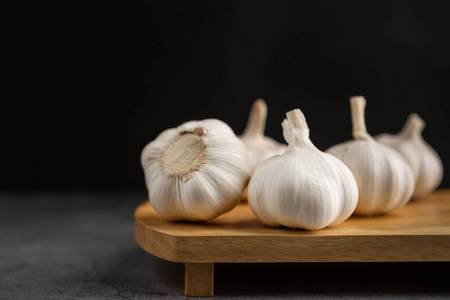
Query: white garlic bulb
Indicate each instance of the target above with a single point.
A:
(385, 181)
(196, 171)
(303, 187)
(421, 157)
(260, 147)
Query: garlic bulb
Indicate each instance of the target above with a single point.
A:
(385, 181)
(259, 147)
(304, 187)
(196, 171)
(423, 160)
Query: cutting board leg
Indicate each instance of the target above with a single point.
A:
(199, 279)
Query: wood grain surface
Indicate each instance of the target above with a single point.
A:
(199, 279)
(419, 231)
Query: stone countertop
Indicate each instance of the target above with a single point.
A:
(80, 245)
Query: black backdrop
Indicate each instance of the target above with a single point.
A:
(88, 83)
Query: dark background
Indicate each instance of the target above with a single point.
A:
(86, 84)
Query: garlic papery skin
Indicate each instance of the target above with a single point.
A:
(385, 181)
(303, 187)
(259, 146)
(421, 157)
(195, 172)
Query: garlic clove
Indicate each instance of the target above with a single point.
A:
(425, 163)
(303, 187)
(196, 171)
(385, 181)
(260, 147)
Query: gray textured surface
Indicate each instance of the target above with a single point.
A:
(81, 246)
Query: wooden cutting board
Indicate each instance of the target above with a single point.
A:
(420, 231)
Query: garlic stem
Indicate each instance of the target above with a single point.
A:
(297, 120)
(413, 127)
(295, 128)
(198, 131)
(358, 105)
(256, 120)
